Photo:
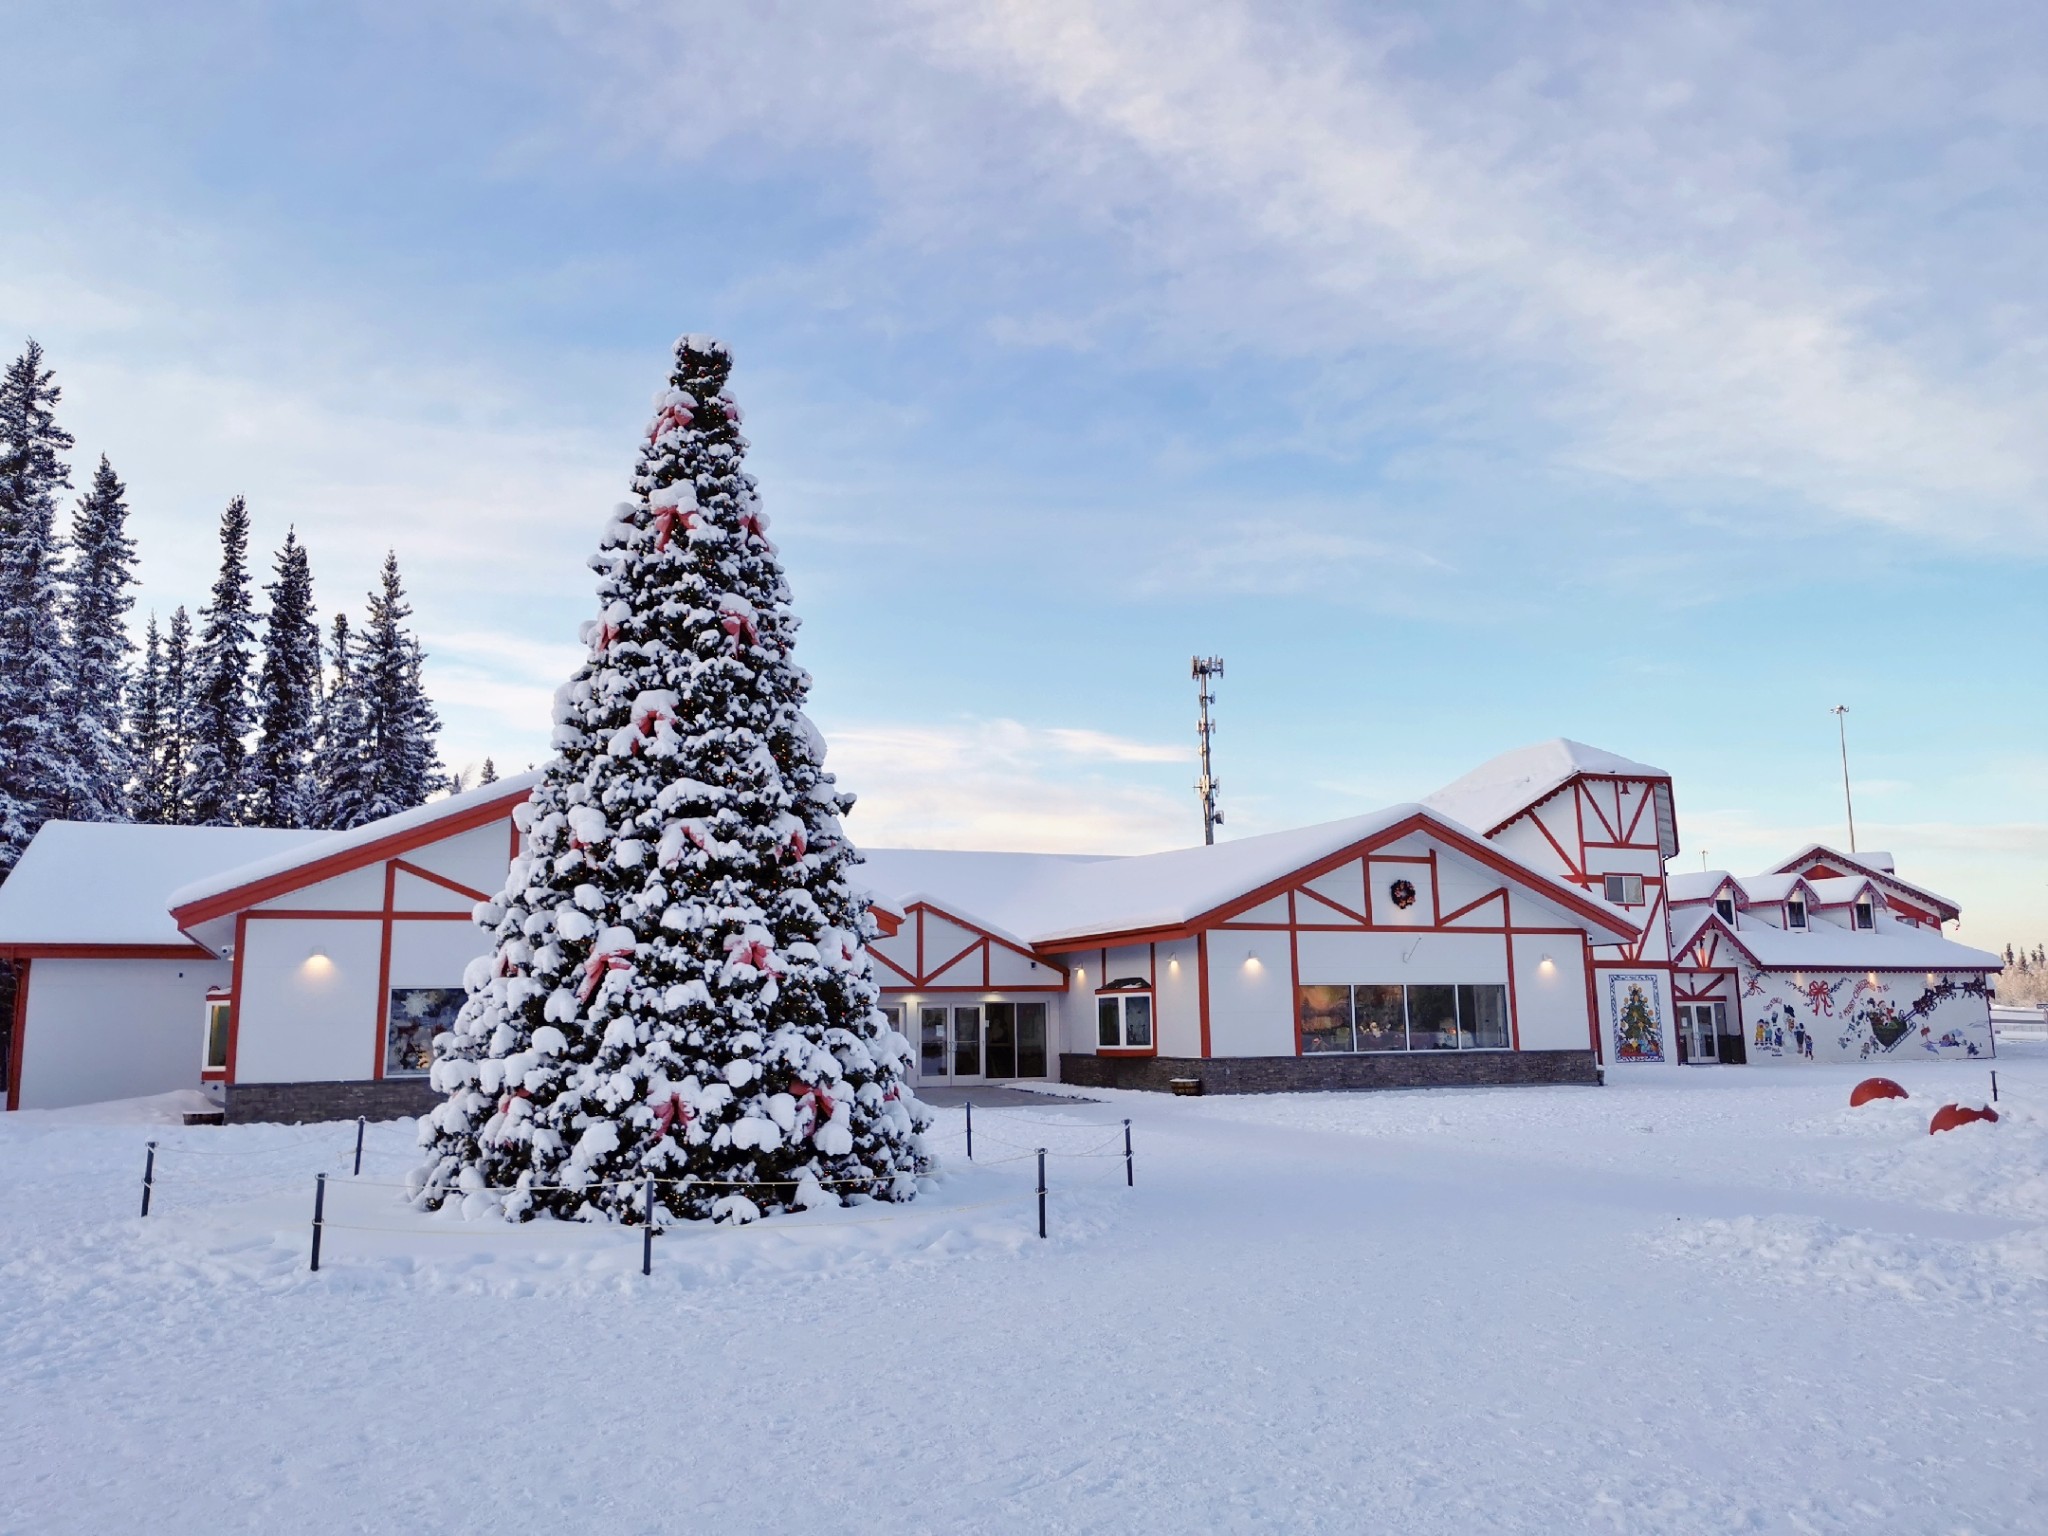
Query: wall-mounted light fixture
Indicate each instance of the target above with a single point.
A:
(1546, 965)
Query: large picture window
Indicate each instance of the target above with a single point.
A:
(1123, 1019)
(417, 1015)
(1388, 1017)
(1015, 1040)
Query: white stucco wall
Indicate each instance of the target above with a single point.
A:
(1550, 1000)
(113, 1029)
(1251, 994)
(305, 1019)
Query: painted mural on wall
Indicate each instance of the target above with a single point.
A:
(1635, 1004)
(1849, 1017)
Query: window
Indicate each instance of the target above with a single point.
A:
(967, 1042)
(1386, 1017)
(1795, 912)
(931, 1042)
(1625, 890)
(219, 1014)
(417, 1015)
(1014, 1040)
(1724, 908)
(1866, 916)
(1123, 1020)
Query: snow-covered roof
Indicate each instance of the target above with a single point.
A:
(1045, 898)
(1839, 890)
(111, 882)
(1880, 866)
(1695, 885)
(323, 846)
(1891, 946)
(1500, 789)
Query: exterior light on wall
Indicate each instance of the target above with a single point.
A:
(1173, 962)
(1251, 960)
(1546, 965)
(1873, 978)
(316, 959)
(1080, 975)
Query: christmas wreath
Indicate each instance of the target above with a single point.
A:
(1403, 892)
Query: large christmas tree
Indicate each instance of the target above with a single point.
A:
(680, 987)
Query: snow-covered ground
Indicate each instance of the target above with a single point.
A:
(1718, 1302)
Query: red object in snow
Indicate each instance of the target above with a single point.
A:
(1875, 1088)
(1949, 1116)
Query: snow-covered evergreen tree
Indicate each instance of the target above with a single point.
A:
(282, 792)
(214, 778)
(98, 582)
(342, 774)
(489, 773)
(174, 753)
(399, 723)
(148, 796)
(33, 748)
(680, 986)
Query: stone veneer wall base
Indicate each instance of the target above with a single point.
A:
(1299, 1074)
(303, 1103)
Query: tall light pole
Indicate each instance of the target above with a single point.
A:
(1841, 712)
(1204, 670)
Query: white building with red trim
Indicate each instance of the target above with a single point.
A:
(1828, 957)
(1515, 927)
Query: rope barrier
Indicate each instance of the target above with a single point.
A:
(704, 1228)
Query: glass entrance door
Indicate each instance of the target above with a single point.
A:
(992, 1042)
(1701, 1042)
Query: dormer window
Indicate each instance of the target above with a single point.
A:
(1866, 916)
(1795, 912)
(1724, 908)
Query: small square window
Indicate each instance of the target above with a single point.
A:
(1625, 890)
(1724, 908)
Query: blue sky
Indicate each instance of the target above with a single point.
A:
(1465, 375)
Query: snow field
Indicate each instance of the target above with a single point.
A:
(1715, 1301)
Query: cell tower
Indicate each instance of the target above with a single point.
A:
(1205, 670)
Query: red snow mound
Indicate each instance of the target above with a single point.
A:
(1949, 1116)
(1875, 1088)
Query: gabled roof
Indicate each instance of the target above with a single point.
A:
(1883, 873)
(1892, 946)
(1696, 885)
(328, 854)
(81, 884)
(1502, 788)
(1048, 899)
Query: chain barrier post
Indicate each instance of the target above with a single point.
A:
(1130, 1173)
(647, 1237)
(360, 1121)
(1041, 1192)
(1994, 1089)
(319, 1216)
(148, 1176)
(970, 1130)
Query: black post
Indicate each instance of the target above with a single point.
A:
(1041, 1191)
(319, 1216)
(970, 1130)
(360, 1120)
(647, 1237)
(1994, 1099)
(1130, 1173)
(148, 1176)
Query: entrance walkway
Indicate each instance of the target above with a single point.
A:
(995, 1096)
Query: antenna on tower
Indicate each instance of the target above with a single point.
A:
(1205, 670)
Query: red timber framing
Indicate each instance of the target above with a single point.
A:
(388, 851)
(1312, 911)
(926, 967)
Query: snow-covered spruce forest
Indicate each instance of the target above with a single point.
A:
(228, 715)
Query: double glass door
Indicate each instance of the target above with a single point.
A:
(1704, 1028)
(981, 1041)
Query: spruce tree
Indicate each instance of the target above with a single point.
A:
(175, 754)
(215, 786)
(148, 799)
(680, 986)
(34, 749)
(281, 788)
(341, 780)
(489, 775)
(399, 724)
(100, 575)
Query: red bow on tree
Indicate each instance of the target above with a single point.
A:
(796, 845)
(736, 624)
(505, 1104)
(754, 523)
(666, 521)
(647, 718)
(505, 965)
(671, 416)
(674, 1114)
(740, 950)
(595, 967)
(607, 632)
(819, 1101)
